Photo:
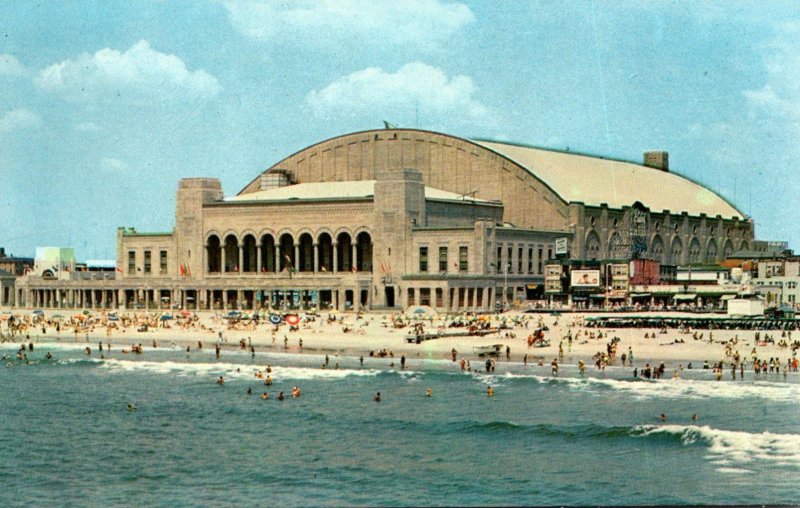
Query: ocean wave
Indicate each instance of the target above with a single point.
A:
(732, 448)
(238, 371)
(674, 388)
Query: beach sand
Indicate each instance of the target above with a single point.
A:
(374, 332)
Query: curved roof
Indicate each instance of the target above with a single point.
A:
(594, 181)
(337, 190)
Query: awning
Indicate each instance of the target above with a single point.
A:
(617, 297)
(597, 296)
(685, 296)
(640, 295)
(727, 297)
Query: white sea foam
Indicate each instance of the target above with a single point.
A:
(237, 371)
(728, 448)
(678, 388)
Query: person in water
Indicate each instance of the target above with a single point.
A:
(249, 391)
(280, 396)
(221, 381)
(265, 396)
(428, 392)
(663, 417)
(489, 391)
(377, 397)
(296, 392)
(268, 380)
(131, 407)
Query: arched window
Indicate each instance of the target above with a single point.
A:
(676, 252)
(286, 252)
(364, 252)
(249, 254)
(214, 254)
(657, 248)
(344, 252)
(325, 247)
(231, 254)
(694, 251)
(592, 246)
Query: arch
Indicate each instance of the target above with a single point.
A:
(694, 250)
(267, 246)
(712, 251)
(657, 248)
(344, 251)
(744, 245)
(676, 251)
(325, 246)
(286, 245)
(592, 245)
(362, 229)
(249, 255)
(363, 252)
(727, 250)
(323, 230)
(341, 230)
(230, 255)
(211, 233)
(306, 252)
(213, 254)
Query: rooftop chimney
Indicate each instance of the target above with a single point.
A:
(657, 159)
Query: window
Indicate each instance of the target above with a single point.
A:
(519, 260)
(510, 252)
(539, 262)
(163, 262)
(463, 262)
(530, 259)
(423, 259)
(442, 259)
(147, 261)
(424, 296)
(131, 261)
(549, 252)
(499, 260)
(411, 297)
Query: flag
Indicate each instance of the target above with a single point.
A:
(119, 269)
(387, 125)
(182, 270)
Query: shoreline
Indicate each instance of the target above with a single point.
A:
(374, 332)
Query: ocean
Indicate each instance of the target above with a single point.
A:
(68, 438)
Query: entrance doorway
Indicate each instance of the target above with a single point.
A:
(390, 296)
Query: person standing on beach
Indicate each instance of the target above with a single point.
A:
(403, 362)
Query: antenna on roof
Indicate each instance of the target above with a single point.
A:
(472, 194)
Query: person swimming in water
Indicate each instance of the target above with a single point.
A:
(663, 417)
(280, 396)
(296, 392)
(249, 391)
(377, 397)
(268, 380)
(428, 392)
(131, 407)
(489, 391)
(221, 381)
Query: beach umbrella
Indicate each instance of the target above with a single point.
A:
(57, 316)
(86, 312)
(185, 313)
(234, 314)
(275, 319)
(166, 317)
(113, 317)
(292, 319)
(37, 312)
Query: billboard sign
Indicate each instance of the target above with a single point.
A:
(561, 246)
(585, 278)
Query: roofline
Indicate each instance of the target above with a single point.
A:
(612, 159)
(470, 141)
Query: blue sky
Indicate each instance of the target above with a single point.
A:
(105, 105)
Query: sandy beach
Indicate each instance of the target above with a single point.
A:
(357, 335)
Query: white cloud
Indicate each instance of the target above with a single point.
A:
(109, 164)
(417, 23)
(780, 94)
(10, 66)
(87, 127)
(415, 86)
(140, 72)
(19, 119)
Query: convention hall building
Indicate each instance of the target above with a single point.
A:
(385, 219)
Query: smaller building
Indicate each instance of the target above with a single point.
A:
(7, 284)
(14, 265)
(54, 262)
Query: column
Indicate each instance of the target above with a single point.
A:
(114, 300)
(147, 299)
(204, 269)
(240, 299)
(335, 257)
(446, 299)
(277, 258)
(241, 258)
(316, 299)
(353, 259)
(222, 259)
(285, 298)
(224, 299)
(316, 257)
(297, 257)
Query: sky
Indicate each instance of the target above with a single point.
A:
(105, 105)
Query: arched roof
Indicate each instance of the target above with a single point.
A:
(565, 177)
(594, 181)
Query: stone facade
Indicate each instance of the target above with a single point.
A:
(448, 223)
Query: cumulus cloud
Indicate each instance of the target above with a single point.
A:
(19, 119)
(112, 165)
(139, 72)
(780, 94)
(10, 66)
(414, 86)
(418, 23)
